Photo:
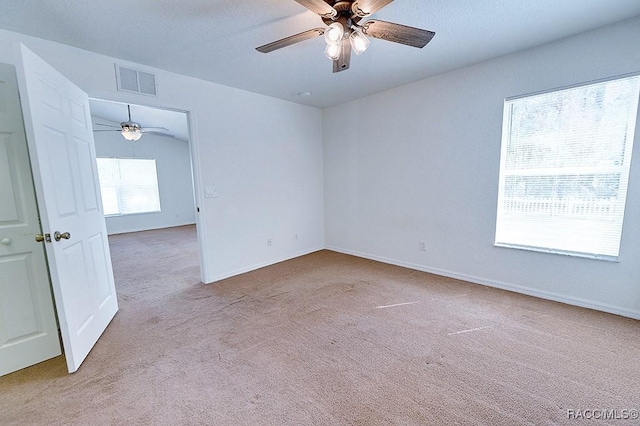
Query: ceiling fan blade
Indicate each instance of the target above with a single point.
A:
(155, 129)
(101, 130)
(288, 41)
(153, 132)
(364, 8)
(106, 125)
(320, 7)
(397, 33)
(344, 60)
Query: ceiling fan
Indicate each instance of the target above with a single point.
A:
(132, 131)
(345, 31)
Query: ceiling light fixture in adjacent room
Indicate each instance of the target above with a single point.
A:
(131, 133)
(131, 130)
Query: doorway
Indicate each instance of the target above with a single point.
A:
(133, 172)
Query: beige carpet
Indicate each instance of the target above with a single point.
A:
(317, 341)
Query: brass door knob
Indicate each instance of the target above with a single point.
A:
(58, 236)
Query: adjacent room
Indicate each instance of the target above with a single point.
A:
(319, 212)
(147, 184)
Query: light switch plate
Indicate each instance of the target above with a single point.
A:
(210, 192)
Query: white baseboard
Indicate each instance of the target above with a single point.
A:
(498, 284)
(262, 265)
(152, 228)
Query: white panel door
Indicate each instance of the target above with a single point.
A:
(28, 330)
(60, 136)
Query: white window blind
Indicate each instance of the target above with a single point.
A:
(128, 186)
(564, 168)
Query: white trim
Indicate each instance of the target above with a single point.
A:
(573, 86)
(198, 196)
(547, 295)
(584, 255)
(129, 231)
(263, 264)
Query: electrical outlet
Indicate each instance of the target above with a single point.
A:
(269, 242)
(423, 245)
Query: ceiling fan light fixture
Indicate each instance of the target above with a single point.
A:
(359, 41)
(332, 51)
(131, 133)
(334, 33)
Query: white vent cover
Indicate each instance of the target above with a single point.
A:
(130, 80)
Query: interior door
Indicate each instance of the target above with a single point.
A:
(60, 137)
(28, 330)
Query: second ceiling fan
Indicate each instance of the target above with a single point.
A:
(132, 131)
(345, 30)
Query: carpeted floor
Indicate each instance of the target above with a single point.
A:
(328, 339)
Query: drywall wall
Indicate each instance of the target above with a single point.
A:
(263, 156)
(421, 162)
(173, 165)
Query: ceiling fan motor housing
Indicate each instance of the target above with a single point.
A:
(131, 126)
(345, 15)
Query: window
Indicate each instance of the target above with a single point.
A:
(128, 186)
(564, 168)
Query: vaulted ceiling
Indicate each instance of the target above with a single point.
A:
(215, 40)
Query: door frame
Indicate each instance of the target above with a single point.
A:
(198, 187)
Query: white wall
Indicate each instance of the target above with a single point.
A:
(173, 164)
(421, 162)
(415, 163)
(263, 155)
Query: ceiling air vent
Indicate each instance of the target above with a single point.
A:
(130, 80)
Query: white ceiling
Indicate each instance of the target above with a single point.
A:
(215, 39)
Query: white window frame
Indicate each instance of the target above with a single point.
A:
(502, 240)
